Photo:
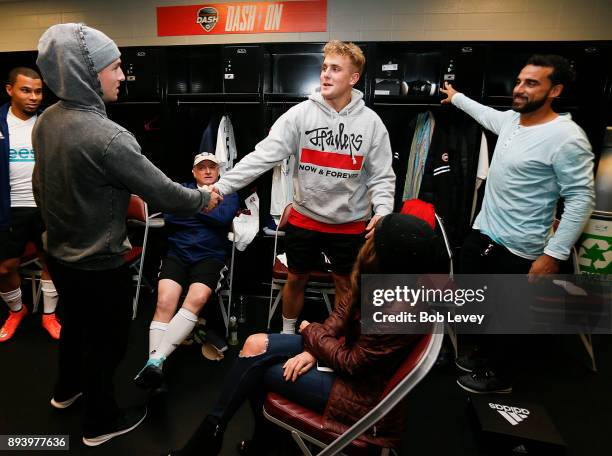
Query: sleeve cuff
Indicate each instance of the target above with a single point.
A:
(457, 98)
(555, 255)
(222, 188)
(382, 211)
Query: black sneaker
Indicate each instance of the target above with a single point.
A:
(445, 357)
(61, 401)
(129, 420)
(214, 339)
(159, 391)
(251, 448)
(484, 382)
(150, 377)
(470, 362)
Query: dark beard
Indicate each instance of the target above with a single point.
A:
(530, 106)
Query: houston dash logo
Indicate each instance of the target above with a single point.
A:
(208, 18)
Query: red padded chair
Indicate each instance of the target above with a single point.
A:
(307, 426)
(320, 283)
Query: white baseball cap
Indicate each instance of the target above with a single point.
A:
(205, 156)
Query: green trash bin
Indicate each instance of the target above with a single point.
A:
(595, 245)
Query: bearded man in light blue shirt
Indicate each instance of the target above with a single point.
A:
(540, 157)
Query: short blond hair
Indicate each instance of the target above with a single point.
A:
(350, 50)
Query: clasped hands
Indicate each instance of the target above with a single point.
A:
(299, 364)
(215, 197)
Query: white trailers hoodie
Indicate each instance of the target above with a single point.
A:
(343, 160)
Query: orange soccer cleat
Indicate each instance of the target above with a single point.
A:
(12, 323)
(53, 327)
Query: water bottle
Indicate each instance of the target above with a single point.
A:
(233, 331)
(241, 311)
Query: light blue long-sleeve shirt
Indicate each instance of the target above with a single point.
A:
(532, 168)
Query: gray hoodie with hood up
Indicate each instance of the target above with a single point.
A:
(343, 160)
(87, 166)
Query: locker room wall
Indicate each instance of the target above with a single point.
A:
(134, 24)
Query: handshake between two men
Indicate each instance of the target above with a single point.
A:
(215, 197)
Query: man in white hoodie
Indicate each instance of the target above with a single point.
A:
(342, 179)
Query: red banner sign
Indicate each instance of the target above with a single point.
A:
(251, 17)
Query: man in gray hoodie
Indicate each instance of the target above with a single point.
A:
(86, 168)
(343, 173)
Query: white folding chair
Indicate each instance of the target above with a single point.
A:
(30, 269)
(225, 294)
(138, 215)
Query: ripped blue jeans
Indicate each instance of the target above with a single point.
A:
(254, 376)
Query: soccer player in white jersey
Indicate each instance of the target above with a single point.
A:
(20, 220)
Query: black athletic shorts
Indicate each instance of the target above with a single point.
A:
(207, 272)
(304, 247)
(26, 225)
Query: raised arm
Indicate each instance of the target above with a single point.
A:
(489, 118)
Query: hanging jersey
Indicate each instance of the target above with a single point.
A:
(449, 176)
(282, 186)
(418, 154)
(226, 145)
(21, 160)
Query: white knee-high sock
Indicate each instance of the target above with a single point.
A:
(49, 296)
(288, 325)
(178, 329)
(157, 329)
(13, 299)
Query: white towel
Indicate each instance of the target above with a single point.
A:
(246, 226)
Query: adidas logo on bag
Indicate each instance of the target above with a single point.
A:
(514, 415)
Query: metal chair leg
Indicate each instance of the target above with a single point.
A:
(300, 443)
(36, 291)
(274, 305)
(587, 341)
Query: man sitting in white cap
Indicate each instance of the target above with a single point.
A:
(197, 248)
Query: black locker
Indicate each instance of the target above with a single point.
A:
(463, 68)
(407, 71)
(194, 70)
(504, 63)
(141, 66)
(241, 69)
(296, 74)
(294, 70)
